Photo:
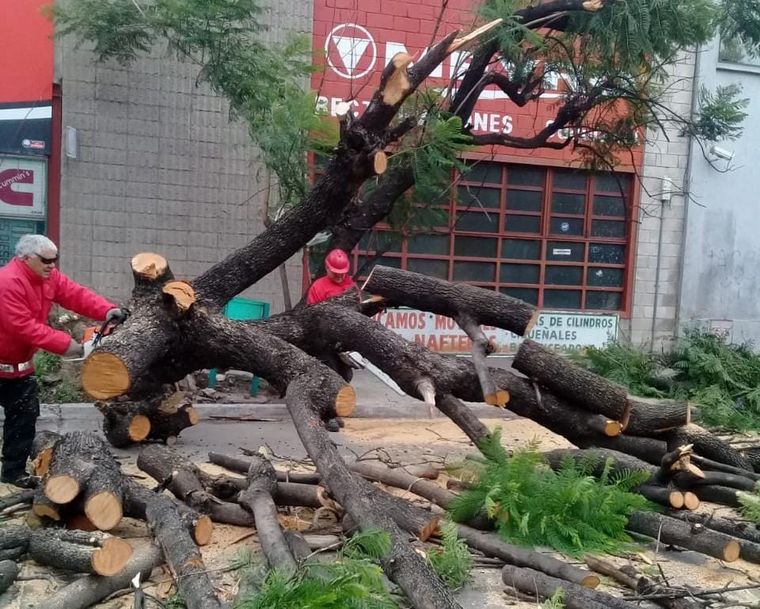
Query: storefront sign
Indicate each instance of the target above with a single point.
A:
(22, 187)
(562, 332)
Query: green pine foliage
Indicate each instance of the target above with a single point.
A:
(568, 510)
(723, 380)
(750, 504)
(452, 561)
(352, 581)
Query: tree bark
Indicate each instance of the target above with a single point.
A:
(172, 471)
(8, 574)
(746, 534)
(79, 551)
(653, 417)
(240, 465)
(402, 565)
(257, 498)
(581, 387)
(378, 472)
(674, 532)
(544, 586)
(707, 445)
(90, 590)
(124, 423)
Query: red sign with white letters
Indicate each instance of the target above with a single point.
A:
(355, 39)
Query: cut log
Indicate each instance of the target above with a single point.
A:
(257, 498)
(738, 482)
(653, 417)
(747, 535)
(581, 387)
(74, 459)
(43, 507)
(545, 586)
(180, 295)
(90, 590)
(452, 299)
(42, 451)
(14, 537)
(707, 445)
(286, 493)
(718, 494)
(178, 476)
(402, 564)
(138, 498)
(379, 472)
(668, 497)
(675, 532)
(709, 464)
(124, 423)
(241, 465)
(640, 584)
(8, 574)
(78, 551)
(14, 499)
(491, 545)
(690, 501)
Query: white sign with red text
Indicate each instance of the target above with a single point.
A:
(562, 332)
(23, 184)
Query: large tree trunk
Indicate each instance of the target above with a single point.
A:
(79, 551)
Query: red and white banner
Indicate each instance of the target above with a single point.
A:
(355, 39)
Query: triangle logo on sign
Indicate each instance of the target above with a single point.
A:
(351, 50)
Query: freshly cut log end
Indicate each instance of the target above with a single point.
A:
(612, 429)
(676, 499)
(110, 559)
(380, 162)
(61, 488)
(398, 85)
(181, 294)
(345, 401)
(430, 529)
(105, 376)
(532, 322)
(45, 509)
(41, 463)
(203, 531)
(690, 501)
(591, 581)
(139, 428)
(104, 510)
(732, 551)
(499, 398)
(149, 265)
(193, 417)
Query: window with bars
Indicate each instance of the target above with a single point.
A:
(557, 238)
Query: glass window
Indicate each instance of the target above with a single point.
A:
(521, 249)
(607, 228)
(606, 253)
(428, 244)
(566, 226)
(525, 175)
(481, 247)
(609, 206)
(366, 263)
(469, 196)
(478, 221)
(433, 268)
(574, 180)
(484, 173)
(474, 271)
(567, 203)
(529, 295)
(380, 241)
(519, 273)
(608, 278)
(562, 299)
(608, 301)
(619, 183)
(522, 224)
(567, 251)
(524, 200)
(564, 275)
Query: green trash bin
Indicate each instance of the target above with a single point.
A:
(243, 309)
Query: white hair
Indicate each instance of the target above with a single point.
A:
(33, 245)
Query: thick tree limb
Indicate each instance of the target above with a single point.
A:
(241, 465)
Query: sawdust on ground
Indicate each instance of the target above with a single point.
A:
(437, 441)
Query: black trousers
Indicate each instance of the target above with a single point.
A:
(18, 397)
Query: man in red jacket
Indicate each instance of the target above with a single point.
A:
(29, 285)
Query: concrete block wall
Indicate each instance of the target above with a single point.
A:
(160, 167)
(660, 223)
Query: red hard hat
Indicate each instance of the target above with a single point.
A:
(337, 262)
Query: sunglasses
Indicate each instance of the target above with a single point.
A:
(47, 260)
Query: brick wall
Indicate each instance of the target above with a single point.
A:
(160, 168)
(660, 228)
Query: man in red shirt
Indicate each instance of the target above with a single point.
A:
(29, 285)
(335, 282)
